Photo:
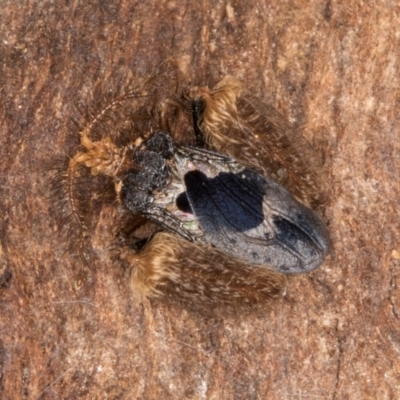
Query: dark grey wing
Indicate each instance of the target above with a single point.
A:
(225, 201)
(254, 218)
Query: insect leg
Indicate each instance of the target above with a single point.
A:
(201, 278)
(167, 221)
(197, 111)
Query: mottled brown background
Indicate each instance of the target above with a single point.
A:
(330, 67)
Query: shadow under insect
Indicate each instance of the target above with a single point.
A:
(211, 199)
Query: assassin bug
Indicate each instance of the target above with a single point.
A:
(230, 227)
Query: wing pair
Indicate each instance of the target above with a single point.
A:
(239, 211)
(253, 218)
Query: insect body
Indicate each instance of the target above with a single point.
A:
(209, 198)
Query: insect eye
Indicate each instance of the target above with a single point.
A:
(182, 203)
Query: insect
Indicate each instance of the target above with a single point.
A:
(209, 198)
(229, 229)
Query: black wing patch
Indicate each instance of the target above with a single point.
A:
(225, 200)
(254, 218)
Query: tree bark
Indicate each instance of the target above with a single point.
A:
(331, 67)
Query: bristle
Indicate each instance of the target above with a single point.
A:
(119, 114)
(237, 123)
(220, 111)
(234, 122)
(201, 278)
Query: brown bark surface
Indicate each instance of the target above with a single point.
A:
(331, 67)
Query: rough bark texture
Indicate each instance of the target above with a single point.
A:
(330, 67)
